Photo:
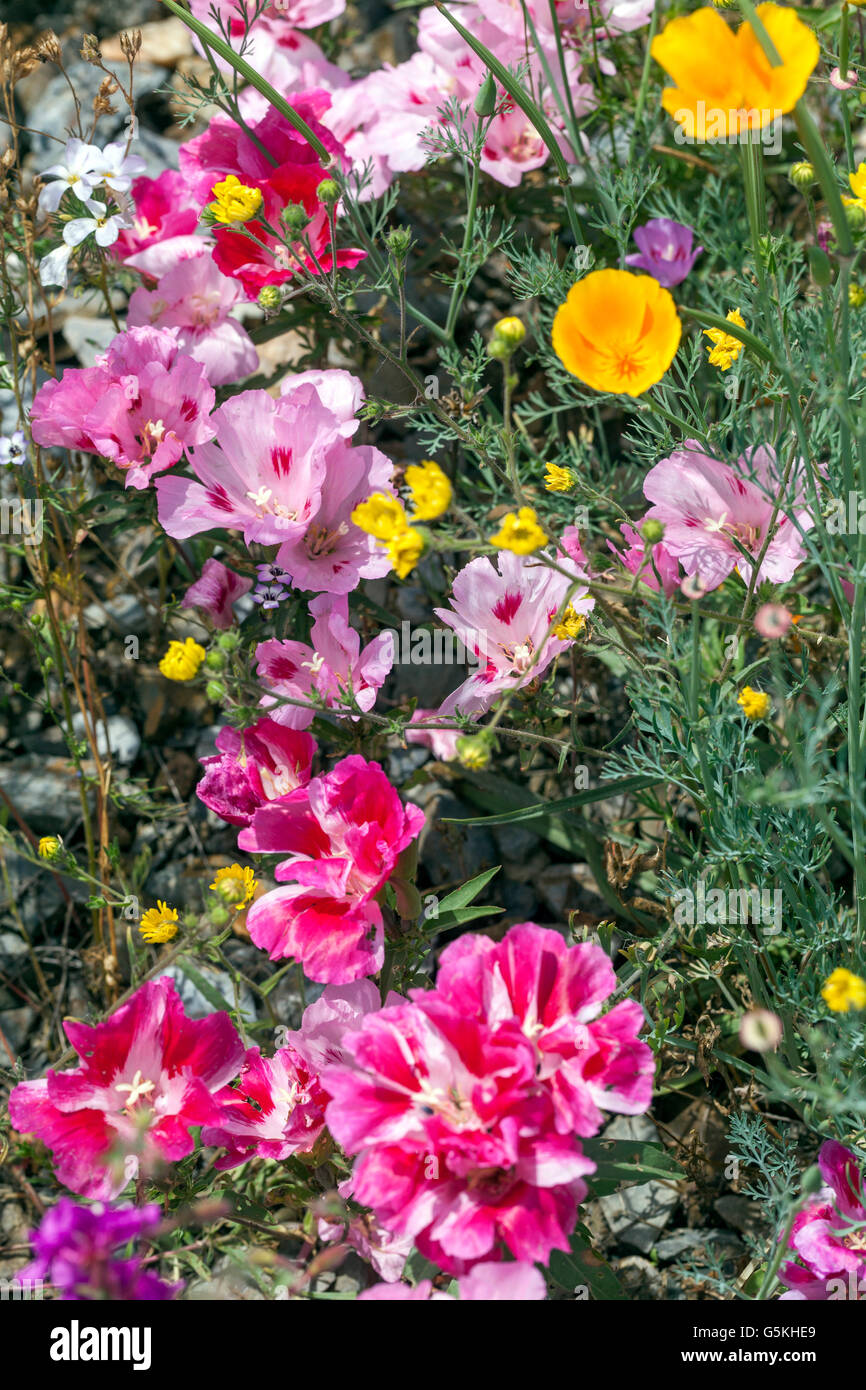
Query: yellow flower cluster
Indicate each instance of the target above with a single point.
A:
(235, 885)
(49, 847)
(385, 518)
(754, 703)
(571, 626)
(159, 923)
(726, 348)
(234, 201)
(519, 532)
(558, 479)
(182, 660)
(844, 991)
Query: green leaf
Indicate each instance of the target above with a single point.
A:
(444, 921)
(630, 1160)
(212, 995)
(584, 1267)
(541, 809)
(461, 897)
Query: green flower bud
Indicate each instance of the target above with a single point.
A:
(219, 915)
(228, 641)
(215, 659)
(328, 192)
(485, 102)
(802, 174)
(215, 691)
(510, 331)
(652, 531)
(398, 242)
(295, 218)
(855, 217)
(270, 298)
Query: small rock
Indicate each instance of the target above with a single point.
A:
(196, 1004)
(165, 42)
(637, 1214)
(118, 735)
(88, 337)
(740, 1213)
(15, 1025)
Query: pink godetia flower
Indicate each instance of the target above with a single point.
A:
(455, 1136)
(344, 833)
(333, 667)
(165, 213)
(843, 84)
(253, 767)
(146, 1076)
(502, 616)
(237, 15)
(553, 994)
(773, 620)
(717, 516)
(385, 1253)
(140, 406)
(665, 250)
(215, 591)
(195, 300)
(492, 1282)
(828, 1235)
(658, 569)
(227, 149)
(78, 1252)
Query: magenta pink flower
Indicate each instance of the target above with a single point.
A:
(455, 1136)
(334, 666)
(831, 1250)
(196, 300)
(141, 406)
(343, 833)
(253, 767)
(215, 591)
(147, 1076)
(554, 994)
(502, 617)
(717, 516)
(78, 1251)
(659, 565)
(276, 1109)
(164, 208)
(494, 1282)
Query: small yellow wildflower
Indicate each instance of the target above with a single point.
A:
(558, 479)
(571, 626)
(235, 885)
(381, 516)
(844, 991)
(430, 489)
(519, 532)
(509, 331)
(182, 660)
(473, 751)
(858, 188)
(49, 847)
(856, 296)
(234, 201)
(725, 349)
(404, 551)
(754, 703)
(159, 923)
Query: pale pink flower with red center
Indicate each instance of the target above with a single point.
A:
(494, 1282)
(502, 616)
(441, 742)
(215, 591)
(591, 1063)
(831, 1250)
(147, 1076)
(254, 766)
(262, 476)
(141, 405)
(334, 667)
(344, 833)
(717, 516)
(196, 300)
(455, 1136)
(658, 569)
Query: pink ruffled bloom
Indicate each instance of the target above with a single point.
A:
(713, 511)
(832, 1255)
(141, 405)
(334, 667)
(455, 1136)
(253, 767)
(591, 1063)
(494, 1282)
(196, 300)
(215, 591)
(147, 1076)
(343, 833)
(502, 615)
(659, 565)
(441, 742)
(165, 208)
(225, 148)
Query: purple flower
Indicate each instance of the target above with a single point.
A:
(665, 250)
(75, 1249)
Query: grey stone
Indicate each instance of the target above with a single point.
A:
(88, 337)
(117, 735)
(402, 762)
(451, 853)
(638, 1213)
(47, 798)
(125, 613)
(56, 107)
(196, 1004)
(15, 1025)
(679, 1242)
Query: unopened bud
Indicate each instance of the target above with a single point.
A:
(652, 531)
(328, 192)
(295, 218)
(802, 174)
(485, 102)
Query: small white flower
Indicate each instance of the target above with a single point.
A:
(54, 268)
(75, 175)
(13, 447)
(116, 169)
(105, 229)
